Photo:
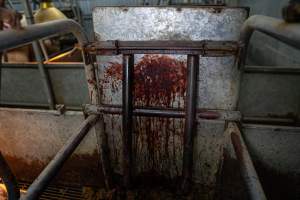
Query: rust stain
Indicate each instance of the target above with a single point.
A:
(83, 169)
(159, 81)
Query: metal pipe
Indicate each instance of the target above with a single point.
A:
(127, 121)
(288, 33)
(190, 119)
(14, 38)
(52, 169)
(9, 180)
(38, 56)
(208, 114)
(48, 66)
(248, 171)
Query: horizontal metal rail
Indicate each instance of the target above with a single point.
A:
(204, 48)
(52, 169)
(164, 112)
(33, 65)
(247, 168)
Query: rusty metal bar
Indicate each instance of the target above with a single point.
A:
(127, 122)
(190, 119)
(288, 33)
(38, 56)
(52, 169)
(248, 171)
(227, 115)
(9, 180)
(205, 48)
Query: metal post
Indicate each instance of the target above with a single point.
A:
(39, 58)
(190, 119)
(248, 171)
(127, 122)
(52, 169)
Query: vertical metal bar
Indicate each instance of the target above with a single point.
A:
(190, 119)
(39, 58)
(102, 138)
(127, 123)
(78, 13)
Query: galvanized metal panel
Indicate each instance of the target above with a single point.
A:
(270, 95)
(21, 84)
(275, 147)
(217, 75)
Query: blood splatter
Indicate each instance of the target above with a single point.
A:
(159, 81)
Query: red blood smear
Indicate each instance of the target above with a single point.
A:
(159, 81)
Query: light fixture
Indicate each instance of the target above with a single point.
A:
(48, 12)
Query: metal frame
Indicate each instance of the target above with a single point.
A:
(13, 38)
(192, 49)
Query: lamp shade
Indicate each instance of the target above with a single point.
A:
(48, 12)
